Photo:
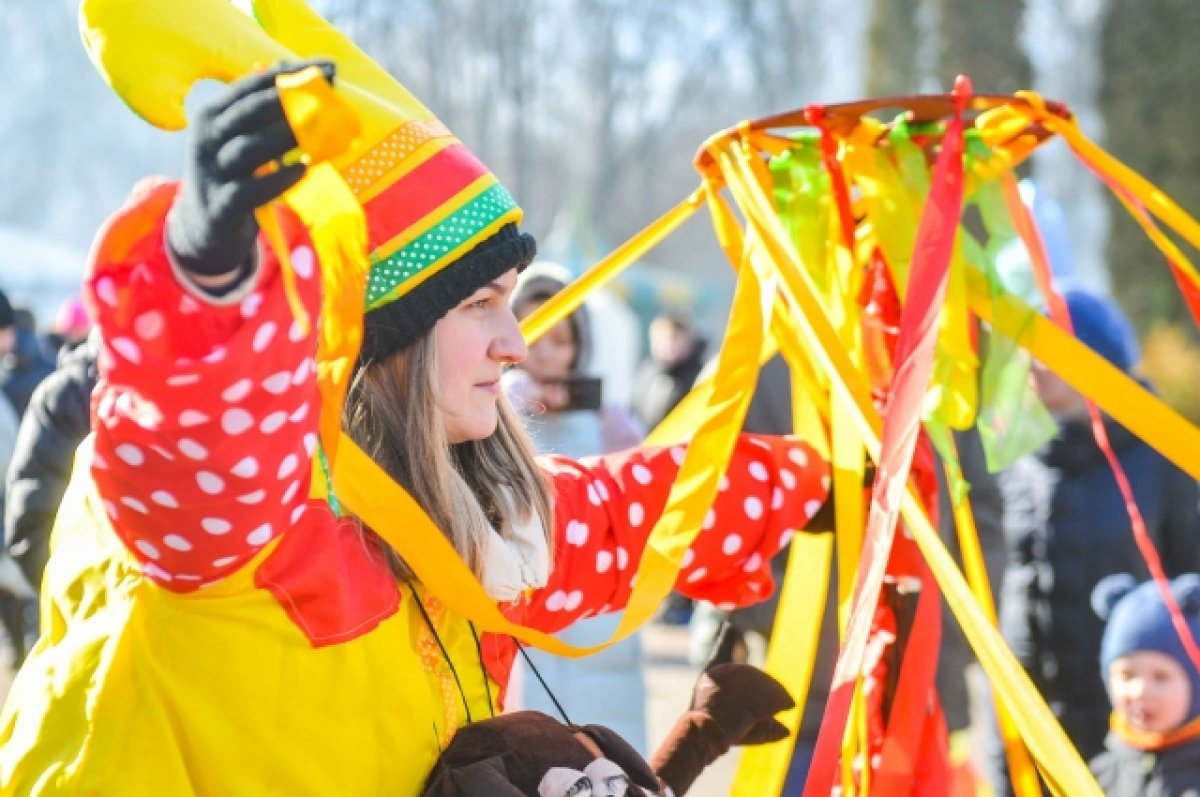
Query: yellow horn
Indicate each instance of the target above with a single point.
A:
(381, 101)
(151, 52)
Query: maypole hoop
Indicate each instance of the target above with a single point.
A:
(841, 118)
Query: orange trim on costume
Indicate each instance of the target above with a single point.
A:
(1146, 740)
(419, 193)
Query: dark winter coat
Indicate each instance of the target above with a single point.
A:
(657, 387)
(1125, 771)
(1066, 527)
(24, 369)
(57, 419)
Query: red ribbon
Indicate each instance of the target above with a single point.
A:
(902, 418)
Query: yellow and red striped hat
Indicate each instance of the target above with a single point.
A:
(439, 223)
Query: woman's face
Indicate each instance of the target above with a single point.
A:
(1150, 690)
(551, 355)
(474, 341)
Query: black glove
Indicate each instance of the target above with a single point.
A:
(211, 229)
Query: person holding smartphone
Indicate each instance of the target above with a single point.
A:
(553, 388)
(563, 408)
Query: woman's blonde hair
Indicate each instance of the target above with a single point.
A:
(468, 488)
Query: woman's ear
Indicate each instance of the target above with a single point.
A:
(1109, 591)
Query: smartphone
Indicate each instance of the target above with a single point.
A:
(584, 392)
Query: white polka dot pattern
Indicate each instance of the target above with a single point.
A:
(201, 452)
(177, 542)
(240, 391)
(216, 525)
(135, 504)
(130, 454)
(604, 560)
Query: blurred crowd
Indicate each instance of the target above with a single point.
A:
(41, 423)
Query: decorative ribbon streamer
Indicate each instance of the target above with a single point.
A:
(570, 298)
(914, 363)
(1045, 738)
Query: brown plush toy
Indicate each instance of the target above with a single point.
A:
(528, 754)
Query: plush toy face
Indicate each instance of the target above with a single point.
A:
(601, 778)
(528, 754)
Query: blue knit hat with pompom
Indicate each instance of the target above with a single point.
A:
(1138, 620)
(1102, 327)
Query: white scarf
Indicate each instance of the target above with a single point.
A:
(517, 563)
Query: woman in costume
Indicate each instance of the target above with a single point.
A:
(212, 622)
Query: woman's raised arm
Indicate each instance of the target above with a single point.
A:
(205, 414)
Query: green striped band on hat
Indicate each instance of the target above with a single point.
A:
(408, 266)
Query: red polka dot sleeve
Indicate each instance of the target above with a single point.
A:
(205, 414)
(606, 507)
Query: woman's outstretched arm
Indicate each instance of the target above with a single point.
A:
(606, 507)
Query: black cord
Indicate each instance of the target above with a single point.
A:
(725, 640)
(487, 689)
(542, 681)
(445, 654)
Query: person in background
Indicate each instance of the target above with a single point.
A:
(70, 327)
(609, 687)
(10, 415)
(26, 363)
(1153, 743)
(56, 421)
(15, 591)
(665, 376)
(1066, 527)
(563, 401)
(8, 326)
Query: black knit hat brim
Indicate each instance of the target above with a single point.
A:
(398, 324)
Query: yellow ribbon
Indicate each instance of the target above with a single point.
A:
(790, 658)
(1021, 768)
(378, 501)
(1113, 391)
(569, 299)
(1152, 198)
